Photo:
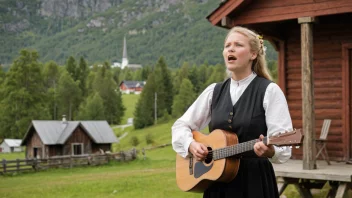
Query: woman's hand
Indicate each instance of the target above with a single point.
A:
(199, 150)
(263, 150)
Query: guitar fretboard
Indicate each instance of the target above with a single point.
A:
(234, 149)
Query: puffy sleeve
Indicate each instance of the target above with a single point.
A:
(196, 117)
(278, 119)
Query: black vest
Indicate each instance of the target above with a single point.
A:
(247, 117)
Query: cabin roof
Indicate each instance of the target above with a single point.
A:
(57, 132)
(133, 84)
(12, 142)
(245, 12)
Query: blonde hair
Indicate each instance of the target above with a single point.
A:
(256, 44)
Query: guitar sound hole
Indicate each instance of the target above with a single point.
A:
(209, 157)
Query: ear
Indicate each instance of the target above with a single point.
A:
(254, 55)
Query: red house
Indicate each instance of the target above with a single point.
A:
(128, 87)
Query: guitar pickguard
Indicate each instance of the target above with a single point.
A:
(200, 169)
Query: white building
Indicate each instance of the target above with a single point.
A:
(11, 145)
(124, 63)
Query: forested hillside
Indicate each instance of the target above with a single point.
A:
(174, 29)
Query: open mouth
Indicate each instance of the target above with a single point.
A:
(231, 58)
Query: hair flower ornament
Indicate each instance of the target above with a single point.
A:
(262, 46)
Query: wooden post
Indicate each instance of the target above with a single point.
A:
(18, 165)
(143, 152)
(226, 22)
(4, 165)
(308, 116)
(35, 164)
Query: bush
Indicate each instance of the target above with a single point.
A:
(164, 118)
(149, 138)
(134, 141)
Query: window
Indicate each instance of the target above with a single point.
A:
(77, 149)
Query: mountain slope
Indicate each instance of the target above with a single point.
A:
(175, 29)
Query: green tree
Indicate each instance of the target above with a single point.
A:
(51, 75)
(182, 73)
(82, 74)
(144, 112)
(184, 99)
(218, 75)
(105, 85)
(71, 67)
(163, 87)
(24, 96)
(137, 75)
(92, 108)
(146, 70)
(2, 75)
(90, 81)
(2, 80)
(116, 75)
(194, 78)
(202, 77)
(69, 95)
(128, 74)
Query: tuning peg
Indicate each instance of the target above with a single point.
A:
(290, 147)
(297, 147)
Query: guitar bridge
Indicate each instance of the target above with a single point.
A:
(190, 165)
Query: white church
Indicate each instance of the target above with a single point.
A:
(125, 64)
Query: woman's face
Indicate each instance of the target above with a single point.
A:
(237, 53)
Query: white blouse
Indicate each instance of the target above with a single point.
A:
(198, 116)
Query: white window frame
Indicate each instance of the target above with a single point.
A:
(74, 144)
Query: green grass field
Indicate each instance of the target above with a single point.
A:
(12, 156)
(153, 177)
(129, 101)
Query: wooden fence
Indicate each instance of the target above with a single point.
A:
(69, 161)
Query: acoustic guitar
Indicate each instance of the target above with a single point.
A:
(222, 162)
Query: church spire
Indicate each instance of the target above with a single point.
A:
(124, 54)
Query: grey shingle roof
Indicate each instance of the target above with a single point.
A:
(95, 129)
(70, 127)
(133, 84)
(57, 132)
(13, 142)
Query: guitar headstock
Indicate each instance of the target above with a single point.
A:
(292, 138)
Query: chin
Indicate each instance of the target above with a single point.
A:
(231, 69)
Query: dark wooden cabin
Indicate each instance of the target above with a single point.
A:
(54, 138)
(295, 27)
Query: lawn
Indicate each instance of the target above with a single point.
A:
(152, 177)
(12, 156)
(129, 101)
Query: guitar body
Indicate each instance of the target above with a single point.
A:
(196, 176)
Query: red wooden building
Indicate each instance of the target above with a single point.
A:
(315, 35)
(128, 87)
(47, 138)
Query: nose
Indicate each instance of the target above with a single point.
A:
(231, 49)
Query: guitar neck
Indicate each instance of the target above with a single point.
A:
(235, 149)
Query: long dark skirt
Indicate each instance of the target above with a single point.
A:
(255, 179)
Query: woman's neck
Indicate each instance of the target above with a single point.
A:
(237, 76)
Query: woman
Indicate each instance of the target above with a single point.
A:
(248, 104)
